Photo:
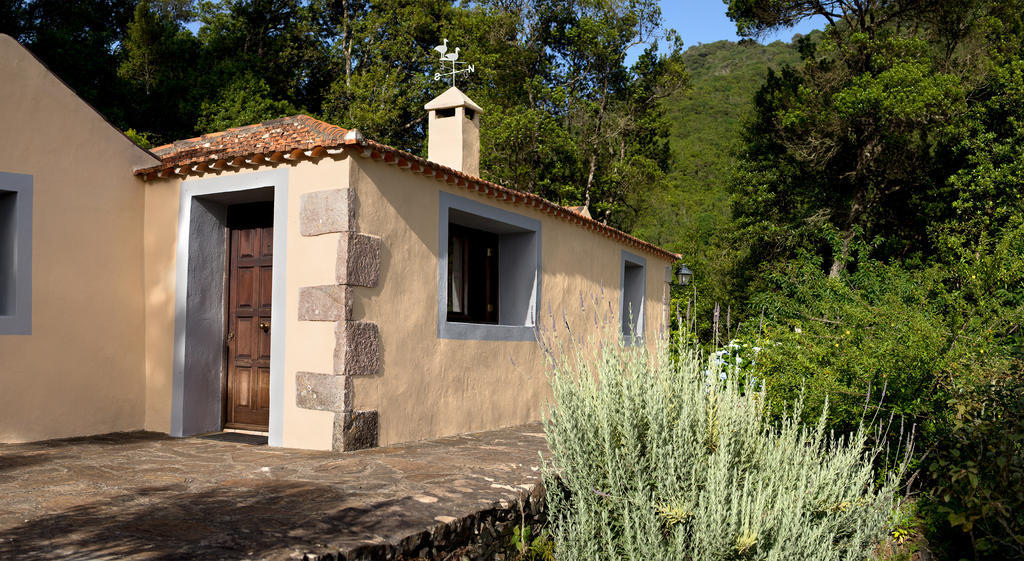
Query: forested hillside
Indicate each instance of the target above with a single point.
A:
(693, 215)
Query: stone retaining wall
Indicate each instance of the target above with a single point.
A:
(483, 536)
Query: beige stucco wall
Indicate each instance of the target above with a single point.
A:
(429, 386)
(309, 261)
(81, 371)
(161, 233)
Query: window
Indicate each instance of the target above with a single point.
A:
(633, 279)
(15, 254)
(472, 275)
(488, 271)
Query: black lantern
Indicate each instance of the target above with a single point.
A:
(684, 275)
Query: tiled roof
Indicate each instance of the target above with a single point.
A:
(303, 137)
(278, 135)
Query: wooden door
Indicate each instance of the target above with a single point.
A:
(250, 271)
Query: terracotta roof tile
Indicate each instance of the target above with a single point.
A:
(270, 142)
(278, 135)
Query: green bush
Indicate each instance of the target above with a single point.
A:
(653, 458)
(916, 334)
(944, 344)
(975, 478)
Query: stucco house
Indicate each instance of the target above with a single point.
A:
(290, 276)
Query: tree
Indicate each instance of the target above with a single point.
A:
(276, 40)
(858, 141)
(158, 69)
(382, 64)
(566, 118)
(245, 101)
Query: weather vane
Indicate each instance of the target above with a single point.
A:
(453, 58)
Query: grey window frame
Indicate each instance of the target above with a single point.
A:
(631, 259)
(16, 259)
(522, 224)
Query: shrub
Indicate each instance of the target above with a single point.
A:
(975, 478)
(915, 333)
(651, 458)
(139, 138)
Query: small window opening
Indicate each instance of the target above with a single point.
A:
(8, 255)
(472, 275)
(632, 302)
(15, 254)
(450, 112)
(470, 113)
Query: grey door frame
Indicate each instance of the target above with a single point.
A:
(197, 348)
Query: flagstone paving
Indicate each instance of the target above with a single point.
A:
(147, 496)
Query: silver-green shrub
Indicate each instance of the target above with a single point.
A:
(655, 458)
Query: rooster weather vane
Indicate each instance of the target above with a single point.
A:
(453, 58)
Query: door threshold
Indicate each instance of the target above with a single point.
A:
(247, 431)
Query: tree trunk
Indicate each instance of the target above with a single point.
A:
(597, 141)
(346, 41)
(839, 262)
(590, 179)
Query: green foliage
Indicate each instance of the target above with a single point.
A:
(651, 461)
(938, 348)
(244, 102)
(140, 138)
(158, 70)
(878, 211)
(906, 523)
(691, 214)
(912, 333)
(897, 129)
(848, 143)
(532, 548)
(382, 60)
(976, 478)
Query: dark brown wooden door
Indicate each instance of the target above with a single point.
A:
(249, 290)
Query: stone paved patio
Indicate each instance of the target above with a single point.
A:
(148, 496)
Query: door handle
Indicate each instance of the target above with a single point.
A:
(265, 326)
(231, 336)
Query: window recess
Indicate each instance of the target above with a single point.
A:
(488, 271)
(15, 254)
(633, 281)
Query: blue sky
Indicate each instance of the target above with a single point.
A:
(704, 21)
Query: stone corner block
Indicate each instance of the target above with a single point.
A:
(326, 212)
(325, 303)
(358, 259)
(356, 430)
(323, 392)
(357, 348)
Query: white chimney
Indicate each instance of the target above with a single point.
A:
(453, 131)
